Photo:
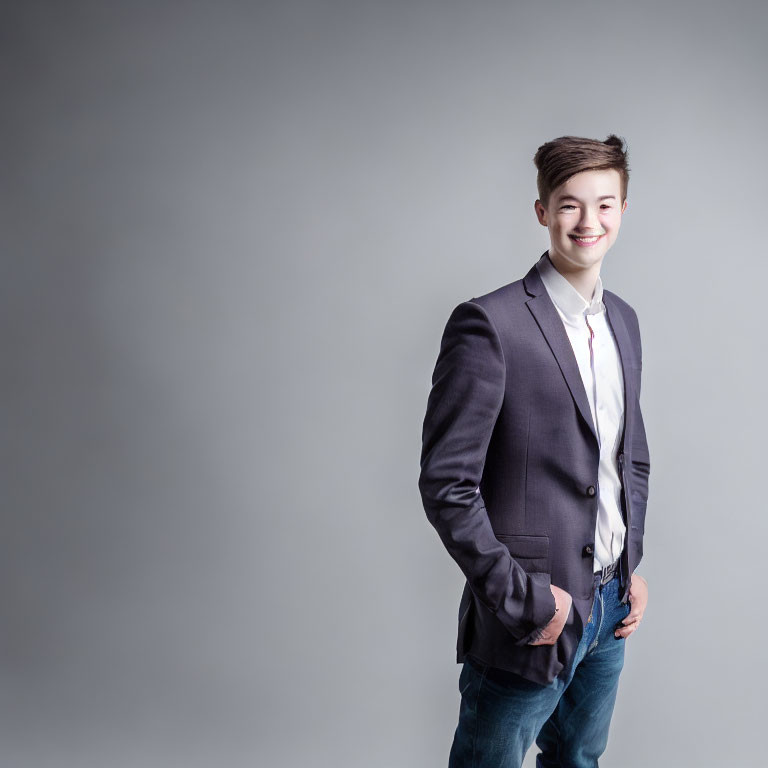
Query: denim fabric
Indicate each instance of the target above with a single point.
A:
(501, 713)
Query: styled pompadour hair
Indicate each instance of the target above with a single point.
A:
(559, 159)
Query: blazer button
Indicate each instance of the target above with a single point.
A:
(588, 551)
(591, 490)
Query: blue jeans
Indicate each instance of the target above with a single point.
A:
(501, 712)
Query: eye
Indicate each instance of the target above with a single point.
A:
(605, 205)
(563, 207)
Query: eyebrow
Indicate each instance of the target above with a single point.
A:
(571, 197)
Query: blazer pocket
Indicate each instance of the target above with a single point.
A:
(531, 552)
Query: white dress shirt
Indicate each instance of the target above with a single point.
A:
(600, 367)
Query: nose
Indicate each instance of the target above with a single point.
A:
(588, 221)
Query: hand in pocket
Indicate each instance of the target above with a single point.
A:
(553, 630)
(638, 599)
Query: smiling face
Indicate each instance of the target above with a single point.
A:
(583, 218)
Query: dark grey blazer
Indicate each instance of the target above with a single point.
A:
(509, 466)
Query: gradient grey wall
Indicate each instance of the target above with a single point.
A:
(231, 234)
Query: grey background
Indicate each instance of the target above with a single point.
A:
(231, 235)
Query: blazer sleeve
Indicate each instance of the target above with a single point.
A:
(463, 405)
(640, 455)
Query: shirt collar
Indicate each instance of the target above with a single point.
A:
(565, 297)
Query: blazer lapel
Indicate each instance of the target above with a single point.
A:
(624, 343)
(545, 314)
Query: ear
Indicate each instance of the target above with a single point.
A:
(541, 213)
(624, 207)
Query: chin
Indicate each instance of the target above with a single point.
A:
(580, 255)
(582, 259)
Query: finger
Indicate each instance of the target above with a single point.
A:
(626, 631)
(632, 617)
(620, 629)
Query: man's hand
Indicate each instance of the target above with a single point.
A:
(638, 599)
(551, 632)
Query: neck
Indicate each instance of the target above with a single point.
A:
(583, 279)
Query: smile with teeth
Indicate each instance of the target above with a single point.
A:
(586, 240)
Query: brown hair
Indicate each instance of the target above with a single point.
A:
(559, 159)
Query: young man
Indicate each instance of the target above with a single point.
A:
(534, 471)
